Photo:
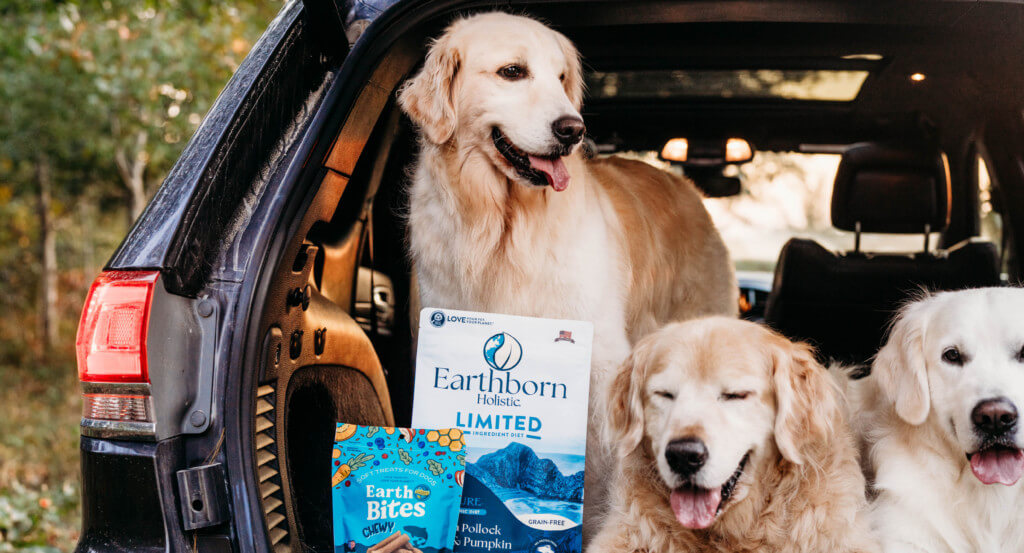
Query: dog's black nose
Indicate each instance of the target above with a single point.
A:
(994, 416)
(568, 129)
(686, 456)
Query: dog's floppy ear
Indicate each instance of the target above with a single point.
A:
(805, 398)
(428, 98)
(574, 74)
(624, 423)
(900, 368)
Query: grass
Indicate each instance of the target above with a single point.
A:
(40, 503)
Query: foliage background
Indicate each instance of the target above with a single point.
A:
(97, 99)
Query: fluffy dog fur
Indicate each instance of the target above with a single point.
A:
(744, 391)
(625, 246)
(913, 414)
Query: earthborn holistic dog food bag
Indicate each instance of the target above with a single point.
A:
(396, 490)
(517, 387)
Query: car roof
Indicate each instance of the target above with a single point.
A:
(972, 54)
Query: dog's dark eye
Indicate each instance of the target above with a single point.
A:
(512, 72)
(728, 396)
(665, 394)
(562, 77)
(952, 356)
(1020, 355)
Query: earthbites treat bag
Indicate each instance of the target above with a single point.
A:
(396, 490)
(518, 388)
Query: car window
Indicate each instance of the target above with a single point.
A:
(782, 84)
(785, 195)
(988, 212)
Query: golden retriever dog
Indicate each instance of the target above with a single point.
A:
(730, 438)
(506, 216)
(938, 417)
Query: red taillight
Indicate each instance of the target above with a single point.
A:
(111, 342)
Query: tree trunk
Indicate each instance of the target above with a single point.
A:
(132, 167)
(86, 215)
(48, 255)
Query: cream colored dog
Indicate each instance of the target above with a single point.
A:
(505, 216)
(938, 416)
(730, 438)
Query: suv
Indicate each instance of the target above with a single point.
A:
(264, 293)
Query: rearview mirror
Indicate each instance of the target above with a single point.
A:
(712, 182)
(707, 152)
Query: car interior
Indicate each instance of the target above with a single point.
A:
(913, 100)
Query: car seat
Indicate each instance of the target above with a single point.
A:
(842, 302)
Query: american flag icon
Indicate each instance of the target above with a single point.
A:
(565, 336)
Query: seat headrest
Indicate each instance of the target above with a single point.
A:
(891, 190)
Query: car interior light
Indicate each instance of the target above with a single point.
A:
(675, 149)
(737, 150)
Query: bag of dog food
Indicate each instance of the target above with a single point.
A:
(396, 490)
(517, 387)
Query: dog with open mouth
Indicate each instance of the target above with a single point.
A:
(730, 438)
(937, 418)
(506, 215)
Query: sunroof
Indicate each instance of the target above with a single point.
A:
(785, 84)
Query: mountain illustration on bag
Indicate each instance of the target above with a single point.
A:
(516, 466)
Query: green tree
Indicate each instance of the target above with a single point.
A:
(99, 98)
(156, 68)
(39, 138)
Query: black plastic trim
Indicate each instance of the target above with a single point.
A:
(128, 499)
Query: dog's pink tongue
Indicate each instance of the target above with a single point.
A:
(998, 466)
(554, 170)
(695, 508)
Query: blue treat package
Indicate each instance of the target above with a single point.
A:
(396, 490)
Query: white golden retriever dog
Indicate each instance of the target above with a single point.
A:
(506, 216)
(730, 438)
(938, 416)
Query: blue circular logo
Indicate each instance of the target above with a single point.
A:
(422, 492)
(437, 318)
(503, 352)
